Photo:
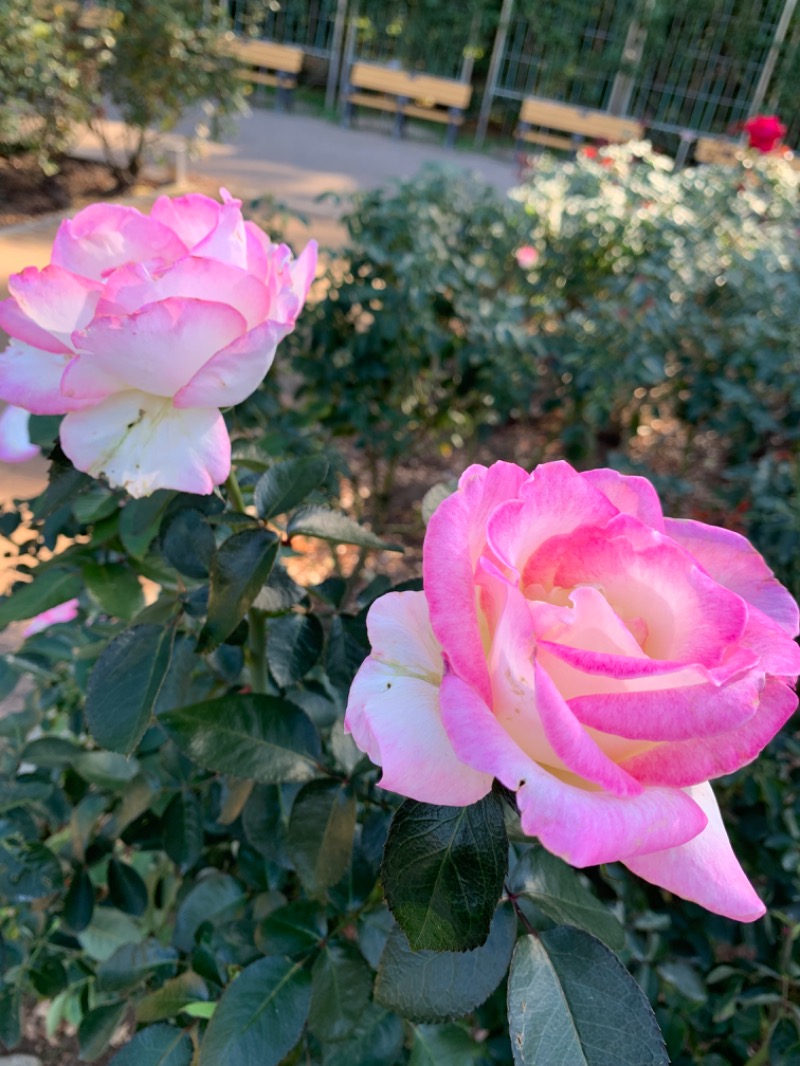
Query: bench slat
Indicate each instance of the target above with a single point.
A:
(282, 57)
(549, 140)
(444, 92)
(584, 121)
(713, 150)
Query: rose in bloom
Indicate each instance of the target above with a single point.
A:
(526, 257)
(142, 328)
(15, 441)
(64, 612)
(764, 132)
(599, 659)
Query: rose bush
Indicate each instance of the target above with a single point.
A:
(142, 328)
(599, 659)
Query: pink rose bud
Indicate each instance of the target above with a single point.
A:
(143, 327)
(15, 441)
(526, 256)
(602, 661)
(64, 612)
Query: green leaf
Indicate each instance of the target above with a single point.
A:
(10, 1017)
(435, 495)
(23, 793)
(109, 930)
(443, 870)
(294, 644)
(188, 544)
(115, 588)
(183, 829)
(571, 1002)
(94, 505)
(288, 483)
(65, 484)
(171, 998)
(321, 522)
(341, 987)
(107, 769)
(125, 683)
(279, 594)
(377, 1040)
(141, 520)
(210, 900)
(428, 986)
(555, 889)
(320, 834)
(158, 1045)
(79, 901)
(445, 1045)
(28, 871)
(295, 929)
(48, 589)
(240, 567)
(97, 1027)
(50, 752)
(260, 1017)
(131, 963)
(126, 889)
(251, 736)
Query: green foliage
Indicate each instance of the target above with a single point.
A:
(166, 60)
(395, 354)
(50, 67)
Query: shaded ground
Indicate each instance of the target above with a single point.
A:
(26, 193)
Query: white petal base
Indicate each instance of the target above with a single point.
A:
(141, 443)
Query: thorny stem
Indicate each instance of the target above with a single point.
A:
(234, 492)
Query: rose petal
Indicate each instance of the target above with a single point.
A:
(102, 237)
(31, 378)
(732, 561)
(582, 826)
(142, 443)
(158, 349)
(454, 539)
(393, 708)
(63, 612)
(15, 441)
(705, 869)
(54, 302)
(632, 495)
(700, 758)
(191, 217)
(130, 288)
(235, 372)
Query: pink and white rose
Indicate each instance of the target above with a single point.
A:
(143, 327)
(15, 440)
(599, 659)
(62, 612)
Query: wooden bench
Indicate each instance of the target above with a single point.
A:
(407, 95)
(716, 150)
(259, 57)
(579, 122)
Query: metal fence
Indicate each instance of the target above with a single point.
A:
(682, 66)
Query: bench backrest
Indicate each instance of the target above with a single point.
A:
(444, 91)
(581, 120)
(284, 57)
(713, 150)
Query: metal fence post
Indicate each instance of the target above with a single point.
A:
(633, 49)
(498, 49)
(767, 70)
(336, 54)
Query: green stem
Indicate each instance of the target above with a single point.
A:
(258, 650)
(234, 492)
